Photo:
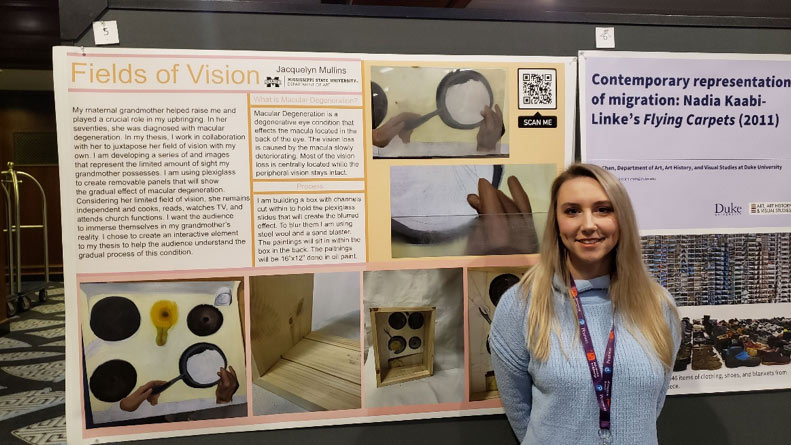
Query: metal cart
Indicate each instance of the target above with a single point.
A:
(20, 294)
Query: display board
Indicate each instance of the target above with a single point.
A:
(700, 141)
(701, 418)
(216, 198)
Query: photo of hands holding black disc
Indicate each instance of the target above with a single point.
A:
(465, 209)
(197, 366)
(463, 100)
(174, 345)
(202, 365)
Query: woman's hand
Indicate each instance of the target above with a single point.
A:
(227, 385)
(505, 225)
(395, 126)
(133, 401)
(491, 129)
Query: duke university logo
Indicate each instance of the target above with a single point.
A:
(727, 209)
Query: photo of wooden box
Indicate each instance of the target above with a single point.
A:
(485, 287)
(403, 340)
(310, 368)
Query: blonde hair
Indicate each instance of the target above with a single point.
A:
(635, 296)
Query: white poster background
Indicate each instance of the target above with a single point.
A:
(642, 110)
(693, 166)
(107, 78)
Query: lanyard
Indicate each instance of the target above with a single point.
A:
(602, 381)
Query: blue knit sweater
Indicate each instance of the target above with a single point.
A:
(553, 402)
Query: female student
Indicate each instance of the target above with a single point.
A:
(584, 346)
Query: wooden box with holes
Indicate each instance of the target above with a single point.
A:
(403, 339)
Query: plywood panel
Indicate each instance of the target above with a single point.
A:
(341, 342)
(281, 309)
(404, 374)
(309, 388)
(337, 361)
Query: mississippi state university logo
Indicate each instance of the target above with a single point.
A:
(273, 82)
(730, 209)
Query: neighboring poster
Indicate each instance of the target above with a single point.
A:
(261, 240)
(701, 143)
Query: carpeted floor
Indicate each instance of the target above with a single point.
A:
(32, 371)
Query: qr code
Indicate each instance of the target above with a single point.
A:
(537, 88)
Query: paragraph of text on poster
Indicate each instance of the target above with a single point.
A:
(159, 182)
(307, 143)
(309, 229)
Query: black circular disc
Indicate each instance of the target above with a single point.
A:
(455, 78)
(397, 344)
(114, 318)
(415, 342)
(112, 381)
(204, 319)
(416, 320)
(193, 350)
(397, 320)
(499, 285)
(378, 104)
